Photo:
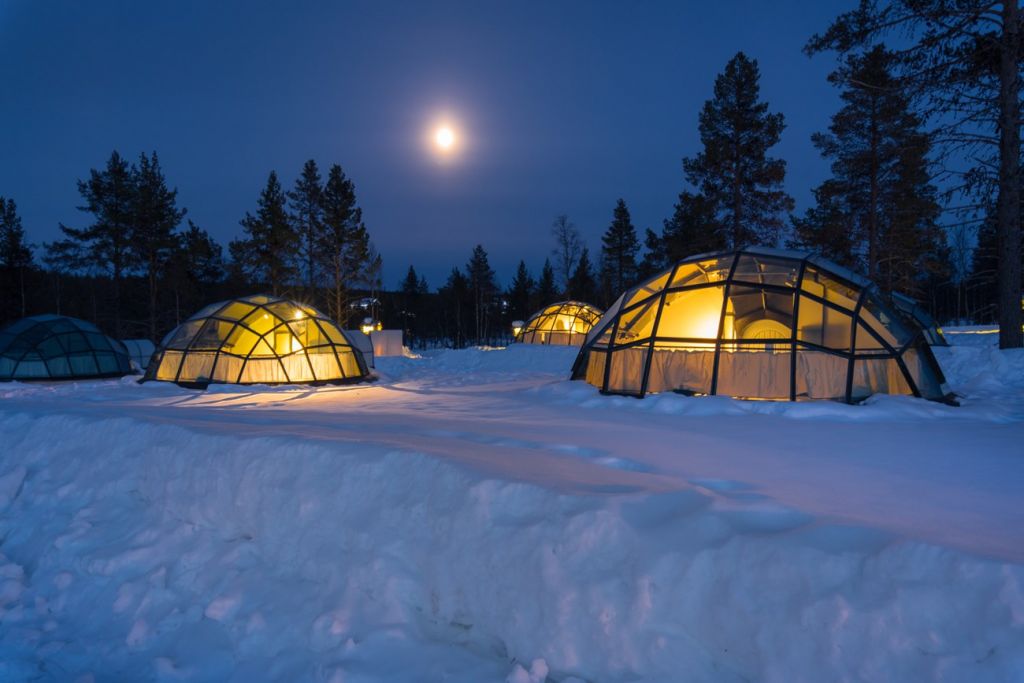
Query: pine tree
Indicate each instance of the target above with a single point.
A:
(267, 252)
(456, 302)
(520, 293)
(618, 253)
(62, 258)
(692, 229)
(734, 174)
(960, 63)
(306, 203)
(344, 244)
(879, 210)
(155, 218)
(196, 268)
(826, 228)
(547, 290)
(109, 196)
(411, 304)
(583, 284)
(567, 248)
(482, 287)
(15, 254)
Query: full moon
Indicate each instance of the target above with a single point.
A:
(445, 138)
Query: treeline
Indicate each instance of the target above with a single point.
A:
(923, 197)
(139, 268)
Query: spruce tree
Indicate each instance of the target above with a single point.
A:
(547, 289)
(106, 246)
(267, 252)
(482, 287)
(734, 174)
(306, 204)
(155, 219)
(344, 244)
(619, 247)
(15, 256)
(520, 293)
(583, 284)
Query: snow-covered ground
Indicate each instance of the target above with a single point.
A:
(473, 516)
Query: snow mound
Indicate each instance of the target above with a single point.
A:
(176, 555)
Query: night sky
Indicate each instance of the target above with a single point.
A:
(560, 107)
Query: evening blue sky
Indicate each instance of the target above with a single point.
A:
(562, 107)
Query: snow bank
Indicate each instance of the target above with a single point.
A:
(135, 551)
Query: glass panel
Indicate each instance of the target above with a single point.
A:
(260, 321)
(349, 364)
(824, 326)
(766, 270)
(877, 376)
(820, 375)
(332, 332)
(51, 347)
(168, 367)
(818, 283)
(692, 313)
(297, 367)
(637, 324)
(866, 341)
(227, 369)
(627, 370)
(286, 311)
(750, 372)
(891, 327)
(652, 286)
(207, 311)
(284, 342)
(759, 314)
(678, 369)
(97, 340)
(236, 310)
(211, 337)
(184, 334)
(263, 349)
(923, 374)
(263, 371)
(701, 272)
(55, 367)
(241, 341)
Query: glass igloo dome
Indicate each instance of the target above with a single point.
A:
(257, 340)
(759, 324)
(565, 323)
(56, 347)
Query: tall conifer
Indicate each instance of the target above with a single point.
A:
(741, 184)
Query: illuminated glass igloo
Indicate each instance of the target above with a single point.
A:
(565, 323)
(257, 340)
(760, 324)
(56, 347)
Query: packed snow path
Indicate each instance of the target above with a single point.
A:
(216, 532)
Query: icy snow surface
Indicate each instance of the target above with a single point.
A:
(473, 516)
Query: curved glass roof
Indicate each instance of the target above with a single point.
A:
(43, 347)
(564, 323)
(257, 340)
(759, 323)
